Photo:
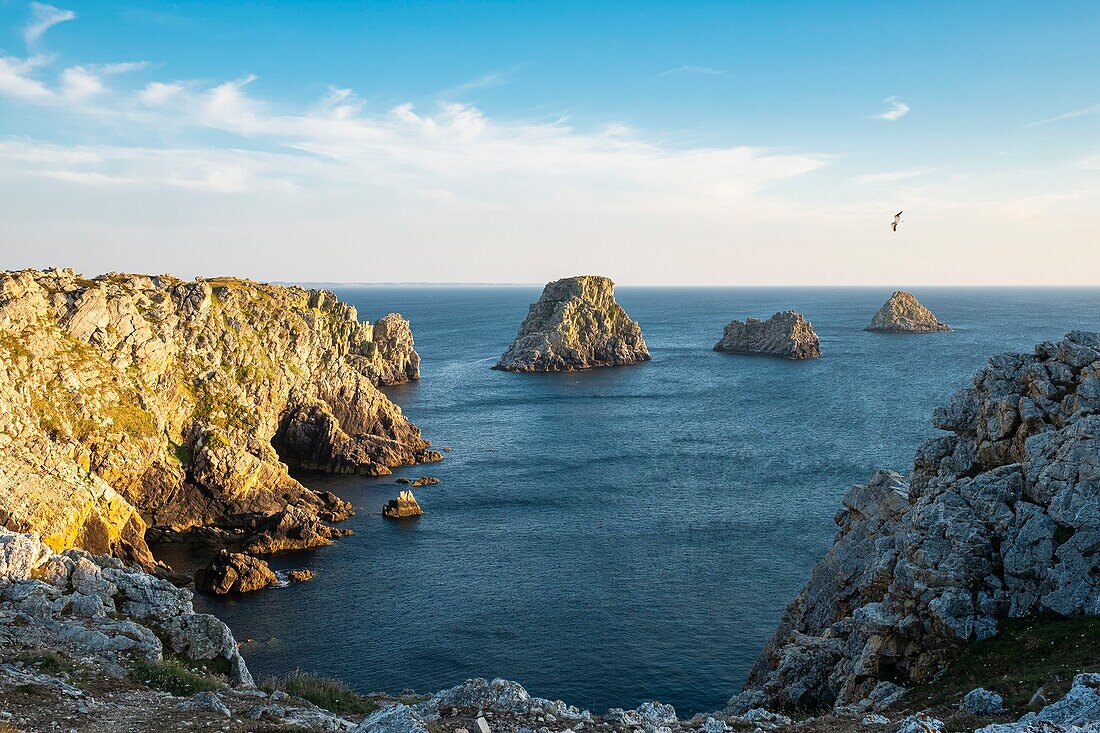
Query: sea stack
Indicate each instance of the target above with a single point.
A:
(786, 334)
(904, 314)
(402, 507)
(575, 324)
(234, 572)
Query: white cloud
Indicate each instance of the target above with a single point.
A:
(898, 109)
(698, 70)
(891, 176)
(491, 79)
(15, 80)
(1090, 110)
(78, 83)
(157, 93)
(44, 17)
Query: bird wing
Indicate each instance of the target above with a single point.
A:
(894, 226)
(897, 215)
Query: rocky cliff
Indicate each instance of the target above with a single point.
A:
(128, 400)
(786, 334)
(904, 314)
(575, 324)
(999, 518)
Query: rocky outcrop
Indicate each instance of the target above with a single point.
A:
(234, 572)
(403, 506)
(128, 400)
(1000, 518)
(904, 314)
(786, 334)
(575, 324)
(104, 609)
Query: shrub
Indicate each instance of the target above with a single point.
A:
(172, 677)
(324, 692)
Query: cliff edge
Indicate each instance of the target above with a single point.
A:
(999, 519)
(128, 400)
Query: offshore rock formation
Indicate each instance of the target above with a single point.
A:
(234, 572)
(904, 314)
(128, 400)
(786, 334)
(403, 506)
(999, 519)
(575, 324)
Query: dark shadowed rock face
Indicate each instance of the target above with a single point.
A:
(233, 572)
(1000, 518)
(575, 324)
(128, 400)
(904, 314)
(786, 334)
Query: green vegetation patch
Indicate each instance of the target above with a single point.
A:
(171, 676)
(1025, 655)
(324, 692)
(47, 661)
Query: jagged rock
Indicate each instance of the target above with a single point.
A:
(786, 334)
(300, 576)
(403, 506)
(234, 572)
(70, 594)
(903, 313)
(128, 399)
(921, 723)
(575, 324)
(425, 481)
(1000, 518)
(981, 701)
(207, 701)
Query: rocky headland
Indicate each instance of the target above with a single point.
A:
(903, 313)
(999, 519)
(575, 324)
(130, 400)
(786, 334)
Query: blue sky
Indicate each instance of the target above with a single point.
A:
(710, 143)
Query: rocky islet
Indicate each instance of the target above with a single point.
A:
(786, 334)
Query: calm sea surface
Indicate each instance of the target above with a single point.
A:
(626, 534)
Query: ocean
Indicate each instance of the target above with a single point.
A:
(627, 534)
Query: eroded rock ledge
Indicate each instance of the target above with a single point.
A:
(786, 334)
(575, 324)
(903, 313)
(128, 400)
(999, 518)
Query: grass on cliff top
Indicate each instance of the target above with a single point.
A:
(1026, 654)
(324, 692)
(171, 676)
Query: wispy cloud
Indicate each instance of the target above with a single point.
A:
(16, 79)
(44, 17)
(898, 109)
(687, 69)
(1090, 110)
(497, 78)
(891, 176)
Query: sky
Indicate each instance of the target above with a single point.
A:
(678, 143)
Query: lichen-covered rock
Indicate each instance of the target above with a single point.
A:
(1000, 518)
(405, 505)
(234, 572)
(786, 334)
(981, 701)
(575, 324)
(128, 400)
(903, 313)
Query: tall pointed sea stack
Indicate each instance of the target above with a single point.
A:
(904, 314)
(575, 324)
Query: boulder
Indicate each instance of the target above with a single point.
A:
(981, 701)
(786, 334)
(402, 507)
(575, 324)
(903, 313)
(234, 572)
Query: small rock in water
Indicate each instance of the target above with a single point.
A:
(425, 481)
(904, 314)
(300, 576)
(402, 480)
(403, 506)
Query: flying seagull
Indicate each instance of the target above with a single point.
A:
(897, 220)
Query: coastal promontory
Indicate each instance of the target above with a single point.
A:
(134, 400)
(903, 313)
(786, 334)
(575, 324)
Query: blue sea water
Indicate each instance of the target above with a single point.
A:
(628, 534)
